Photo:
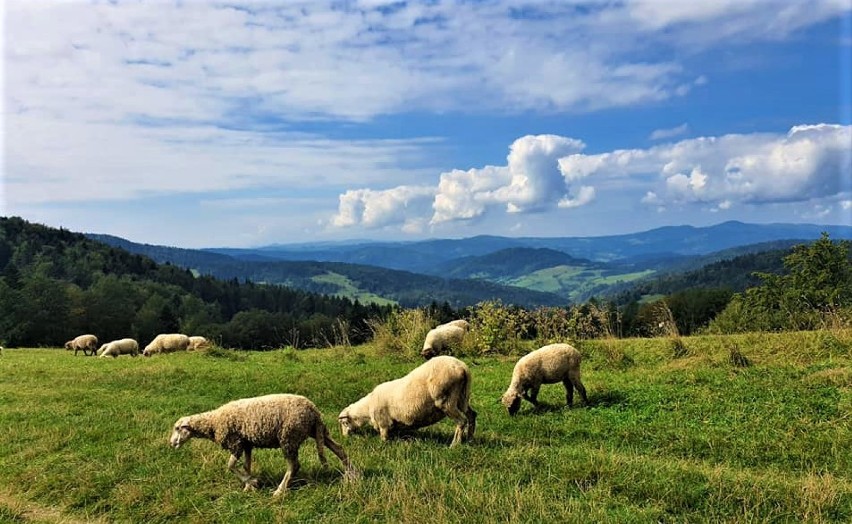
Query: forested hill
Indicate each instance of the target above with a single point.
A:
(735, 274)
(367, 283)
(55, 284)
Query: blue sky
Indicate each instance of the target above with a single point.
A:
(247, 123)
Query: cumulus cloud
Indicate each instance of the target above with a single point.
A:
(405, 205)
(531, 181)
(585, 194)
(809, 162)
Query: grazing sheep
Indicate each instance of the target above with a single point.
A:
(462, 323)
(167, 343)
(85, 343)
(441, 339)
(546, 365)
(272, 421)
(197, 343)
(436, 389)
(124, 346)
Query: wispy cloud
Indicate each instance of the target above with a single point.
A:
(671, 132)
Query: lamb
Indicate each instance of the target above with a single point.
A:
(167, 343)
(85, 343)
(271, 421)
(124, 346)
(546, 365)
(197, 343)
(438, 388)
(441, 339)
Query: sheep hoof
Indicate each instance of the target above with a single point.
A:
(351, 475)
(278, 493)
(251, 485)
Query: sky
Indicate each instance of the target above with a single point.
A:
(202, 124)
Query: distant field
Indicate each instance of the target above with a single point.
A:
(572, 281)
(689, 439)
(348, 289)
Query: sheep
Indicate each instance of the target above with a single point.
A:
(271, 421)
(546, 365)
(197, 343)
(438, 388)
(440, 339)
(462, 323)
(125, 346)
(167, 343)
(85, 343)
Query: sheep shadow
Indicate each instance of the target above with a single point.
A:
(602, 399)
(315, 475)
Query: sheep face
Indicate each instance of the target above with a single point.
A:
(427, 353)
(68, 344)
(181, 433)
(512, 402)
(350, 424)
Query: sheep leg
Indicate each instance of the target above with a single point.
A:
(569, 392)
(471, 422)
(574, 376)
(244, 476)
(532, 396)
(292, 469)
(452, 411)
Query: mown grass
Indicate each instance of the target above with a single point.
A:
(666, 439)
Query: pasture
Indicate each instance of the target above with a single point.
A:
(697, 437)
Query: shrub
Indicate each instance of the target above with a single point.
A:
(402, 332)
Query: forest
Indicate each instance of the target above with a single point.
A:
(55, 284)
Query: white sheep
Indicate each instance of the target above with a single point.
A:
(84, 343)
(167, 343)
(436, 389)
(441, 339)
(124, 346)
(462, 323)
(546, 365)
(197, 343)
(271, 421)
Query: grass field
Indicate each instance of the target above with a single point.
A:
(572, 281)
(688, 439)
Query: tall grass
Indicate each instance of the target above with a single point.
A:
(694, 439)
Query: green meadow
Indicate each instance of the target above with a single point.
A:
(749, 428)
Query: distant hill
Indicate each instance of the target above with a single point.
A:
(670, 244)
(556, 269)
(365, 283)
(509, 263)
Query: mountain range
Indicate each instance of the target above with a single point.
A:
(523, 271)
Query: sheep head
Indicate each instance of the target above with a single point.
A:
(68, 344)
(181, 432)
(512, 402)
(428, 352)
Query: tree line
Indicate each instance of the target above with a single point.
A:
(55, 284)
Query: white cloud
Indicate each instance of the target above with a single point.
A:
(811, 161)
(369, 208)
(846, 204)
(531, 181)
(661, 134)
(543, 173)
(584, 195)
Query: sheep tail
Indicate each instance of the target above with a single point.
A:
(323, 438)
